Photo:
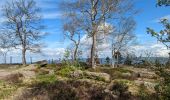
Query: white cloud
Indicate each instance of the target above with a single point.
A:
(164, 17)
(52, 15)
(157, 49)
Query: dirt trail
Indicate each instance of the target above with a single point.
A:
(4, 73)
(27, 73)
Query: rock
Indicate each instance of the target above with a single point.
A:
(149, 75)
(98, 76)
(77, 74)
(42, 63)
(91, 75)
(126, 75)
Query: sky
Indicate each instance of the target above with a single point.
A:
(55, 43)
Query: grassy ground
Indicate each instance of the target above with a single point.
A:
(52, 82)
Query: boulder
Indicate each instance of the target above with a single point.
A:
(98, 76)
(91, 75)
(42, 63)
(77, 74)
(126, 75)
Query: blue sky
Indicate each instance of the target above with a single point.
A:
(148, 17)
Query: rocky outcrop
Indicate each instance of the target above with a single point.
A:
(91, 75)
(42, 63)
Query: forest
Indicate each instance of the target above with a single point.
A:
(84, 50)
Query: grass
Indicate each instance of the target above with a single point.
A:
(65, 71)
(6, 89)
(115, 73)
(45, 79)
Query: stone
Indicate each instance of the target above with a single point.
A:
(94, 75)
(42, 63)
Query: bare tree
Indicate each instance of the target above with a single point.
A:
(23, 24)
(122, 37)
(72, 30)
(5, 45)
(94, 13)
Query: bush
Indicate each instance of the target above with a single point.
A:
(51, 65)
(163, 88)
(14, 78)
(6, 89)
(42, 72)
(168, 64)
(120, 89)
(46, 79)
(83, 65)
(143, 93)
(66, 71)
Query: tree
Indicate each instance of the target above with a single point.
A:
(122, 37)
(94, 13)
(128, 60)
(164, 35)
(72, 30)
(5, 45)
(23, 24)
(107, 60)
(163, 2)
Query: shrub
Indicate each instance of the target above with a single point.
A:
(14, 78)
(42, 72)
(107, 60)
(119, 87)
(157, 63)
(66, 71)
(46, 78)
(82, 65)
(168, 63)
(51, 65)
(6, 89)
(128, 60)
(143, 93)
(163, 88)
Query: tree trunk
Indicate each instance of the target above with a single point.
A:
(93, 50)
(23, 56)
(75, 53)
(117, 60)
(4, 57)
(113, 64)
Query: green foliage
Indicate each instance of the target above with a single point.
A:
(162, 36)
(6, 89)
(42, 71)
(65, 71)
(120, 88)
(45, 79)
(163, 88)
(107, 60)
(143, 93)
(67, 54)
(115, 73)
(163, 2)
(51, 65)
(157, 63)
(168, 64)
(128, 60)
